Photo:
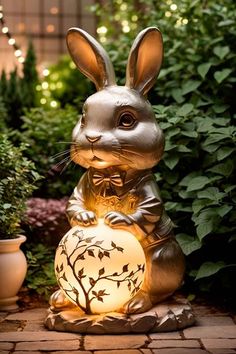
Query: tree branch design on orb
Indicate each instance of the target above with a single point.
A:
(84, 272)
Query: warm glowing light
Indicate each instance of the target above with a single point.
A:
(123, 7)
(46, 93)
(103, 39)
(1, 15)
(72, 65)
(134, 18)
(94, 268)
(55, 76)
(53, 104)
(178, 22)
(126, 29)
(52, 86)
(43, 101)
(45, 85)
(185, 21)
(173, 7)
(11, 41)
(18, 53)
(102, 30)
(21, 59)
(46, 72)
(54, 10)
(168, 14)
(59, 85)
(38, 87)
(5, 29)
(50, 28)
(124, 23)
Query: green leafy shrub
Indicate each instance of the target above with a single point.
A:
(48, 134)
(19, 92)
(40, 275)
(199, 48)
(64, 84)
(17, 178)
(197, 180)
(197, 174)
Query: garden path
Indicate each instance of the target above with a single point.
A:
(23, 332)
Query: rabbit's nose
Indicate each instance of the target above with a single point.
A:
(93, 138)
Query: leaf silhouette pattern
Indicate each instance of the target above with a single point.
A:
(86, 246)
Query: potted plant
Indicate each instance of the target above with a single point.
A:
(17, 179)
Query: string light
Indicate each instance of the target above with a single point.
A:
(11, 40)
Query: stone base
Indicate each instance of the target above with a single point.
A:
(167, 316)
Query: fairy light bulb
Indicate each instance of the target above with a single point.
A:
(21, 60)
(18, 52)
(11, 41)
(5, 29)
(94, 268)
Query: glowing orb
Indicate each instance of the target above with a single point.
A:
(99, 268)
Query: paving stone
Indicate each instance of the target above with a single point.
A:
(3, 315)
(48, 345)
(36, 336)
(71, 351)
(219, 343)
(37, 314)
(211, 332)
(6, 346)
(10, 326)
(165, 335)
(222, 351)
(34, 326)
(178, 351)
(174, 344)
(214, 321)
(96, 342)
(26, 352)
(126, 351)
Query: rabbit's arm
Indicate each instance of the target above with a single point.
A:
(149, 209)
(76, 209)
(148, 212)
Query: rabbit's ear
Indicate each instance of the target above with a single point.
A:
(145, 60)
(90, 57)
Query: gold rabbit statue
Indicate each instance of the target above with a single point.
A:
(118, 140)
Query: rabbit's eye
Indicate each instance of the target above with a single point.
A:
(126, 121)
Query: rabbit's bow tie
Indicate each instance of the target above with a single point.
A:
(105, 179)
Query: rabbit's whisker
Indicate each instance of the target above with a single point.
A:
(67, 164)
(131, 152)
(59, 154)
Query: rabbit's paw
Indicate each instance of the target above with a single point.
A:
(58, 301)
(116, 219)
(140, 303)
(84, 218)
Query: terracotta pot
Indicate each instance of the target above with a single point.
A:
(13, 268)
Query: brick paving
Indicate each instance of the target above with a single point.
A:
(24, 333)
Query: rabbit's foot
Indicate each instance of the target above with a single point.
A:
(140, 303)
(58, 301)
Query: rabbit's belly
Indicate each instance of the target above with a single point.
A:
(102, 205)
